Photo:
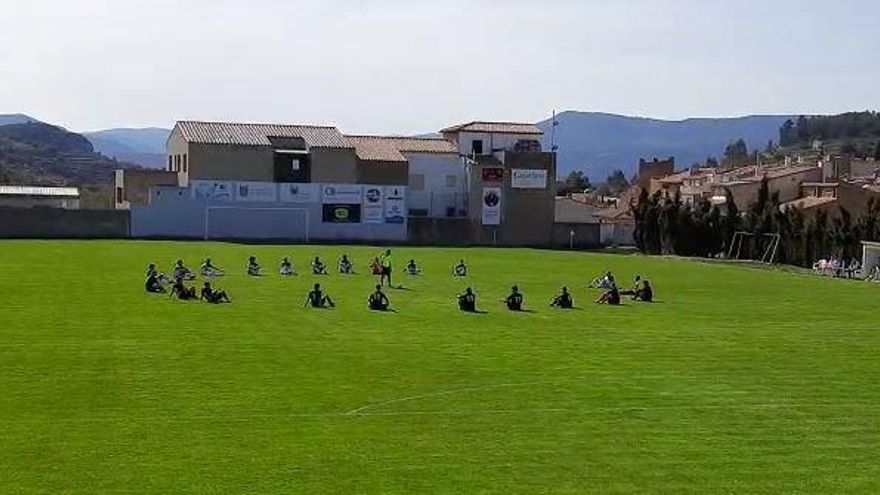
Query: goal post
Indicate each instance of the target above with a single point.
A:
(240, 222)
(768, 252)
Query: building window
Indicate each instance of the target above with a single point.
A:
(170, 163)
(477, 146)
(294, 166)
(451, 181)
(118, 195)
(184, 163)
(417, 182)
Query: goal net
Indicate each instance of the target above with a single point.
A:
(236, 222)
(762, 248)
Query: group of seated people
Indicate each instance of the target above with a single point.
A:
(641, 290)
(467, 301)
(838, 267)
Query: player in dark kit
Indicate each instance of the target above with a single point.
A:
(378, 301)
(182, 292)
(318, 299)
(514, 301)
(213, 296)
(152, 284)
(612, 297)
(468, 301)
(563, 300)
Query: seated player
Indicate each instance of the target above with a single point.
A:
(605, 282)
(612, 297)
(376, 267)
(460, 270)
(645, 293)
(160, 277)
(213, 296)
(182, 292)
(318, 267)
(468, 301)
(637, 285)
(563, 300)
(253, 268)
(514, 301)
(152, 284)
(346, 267)
(412, 269)
(209, 270)
(378, 301)
(182, 272)
(286, 268)
(318, 299)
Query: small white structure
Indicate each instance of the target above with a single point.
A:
(37, 196)
(870, 257)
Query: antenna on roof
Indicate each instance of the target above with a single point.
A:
(553, 126)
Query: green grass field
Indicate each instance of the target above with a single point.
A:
(739, 380)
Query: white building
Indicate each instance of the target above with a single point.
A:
(437, 183)
(488, 138)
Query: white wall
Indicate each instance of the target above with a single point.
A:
(491, 141)
(437, 194)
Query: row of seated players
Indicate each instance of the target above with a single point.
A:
(286, 268)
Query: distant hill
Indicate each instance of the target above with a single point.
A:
(16, 118)
(43, 154)
(145, 147)
(599, 143)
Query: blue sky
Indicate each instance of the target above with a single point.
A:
(400, 66)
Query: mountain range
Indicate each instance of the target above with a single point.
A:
(599, 143)
(596, 143)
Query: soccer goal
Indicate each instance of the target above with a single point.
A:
(237, 222)
(767, 245)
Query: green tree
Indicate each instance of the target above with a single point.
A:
(736, 152)
(576, 182)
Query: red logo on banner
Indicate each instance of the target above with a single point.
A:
(493, 174)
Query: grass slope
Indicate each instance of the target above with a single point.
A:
(738, 380)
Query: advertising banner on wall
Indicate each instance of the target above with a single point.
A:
(395, 204)
(345, 194)
(342, 213)
(373, 210)
(528, 179)
(298, 193)
(213, 190)
(491, 206)
(265, 192)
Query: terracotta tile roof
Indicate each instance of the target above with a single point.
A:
(259, 134)
(569, 210)
(393, 149)
(495, 128)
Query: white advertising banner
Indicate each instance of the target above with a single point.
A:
(299, 193)
(264, 192)
(395, 204)
(491, 206)
(528, 179)
(373, 210)
(341, 194)
(213, 190)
